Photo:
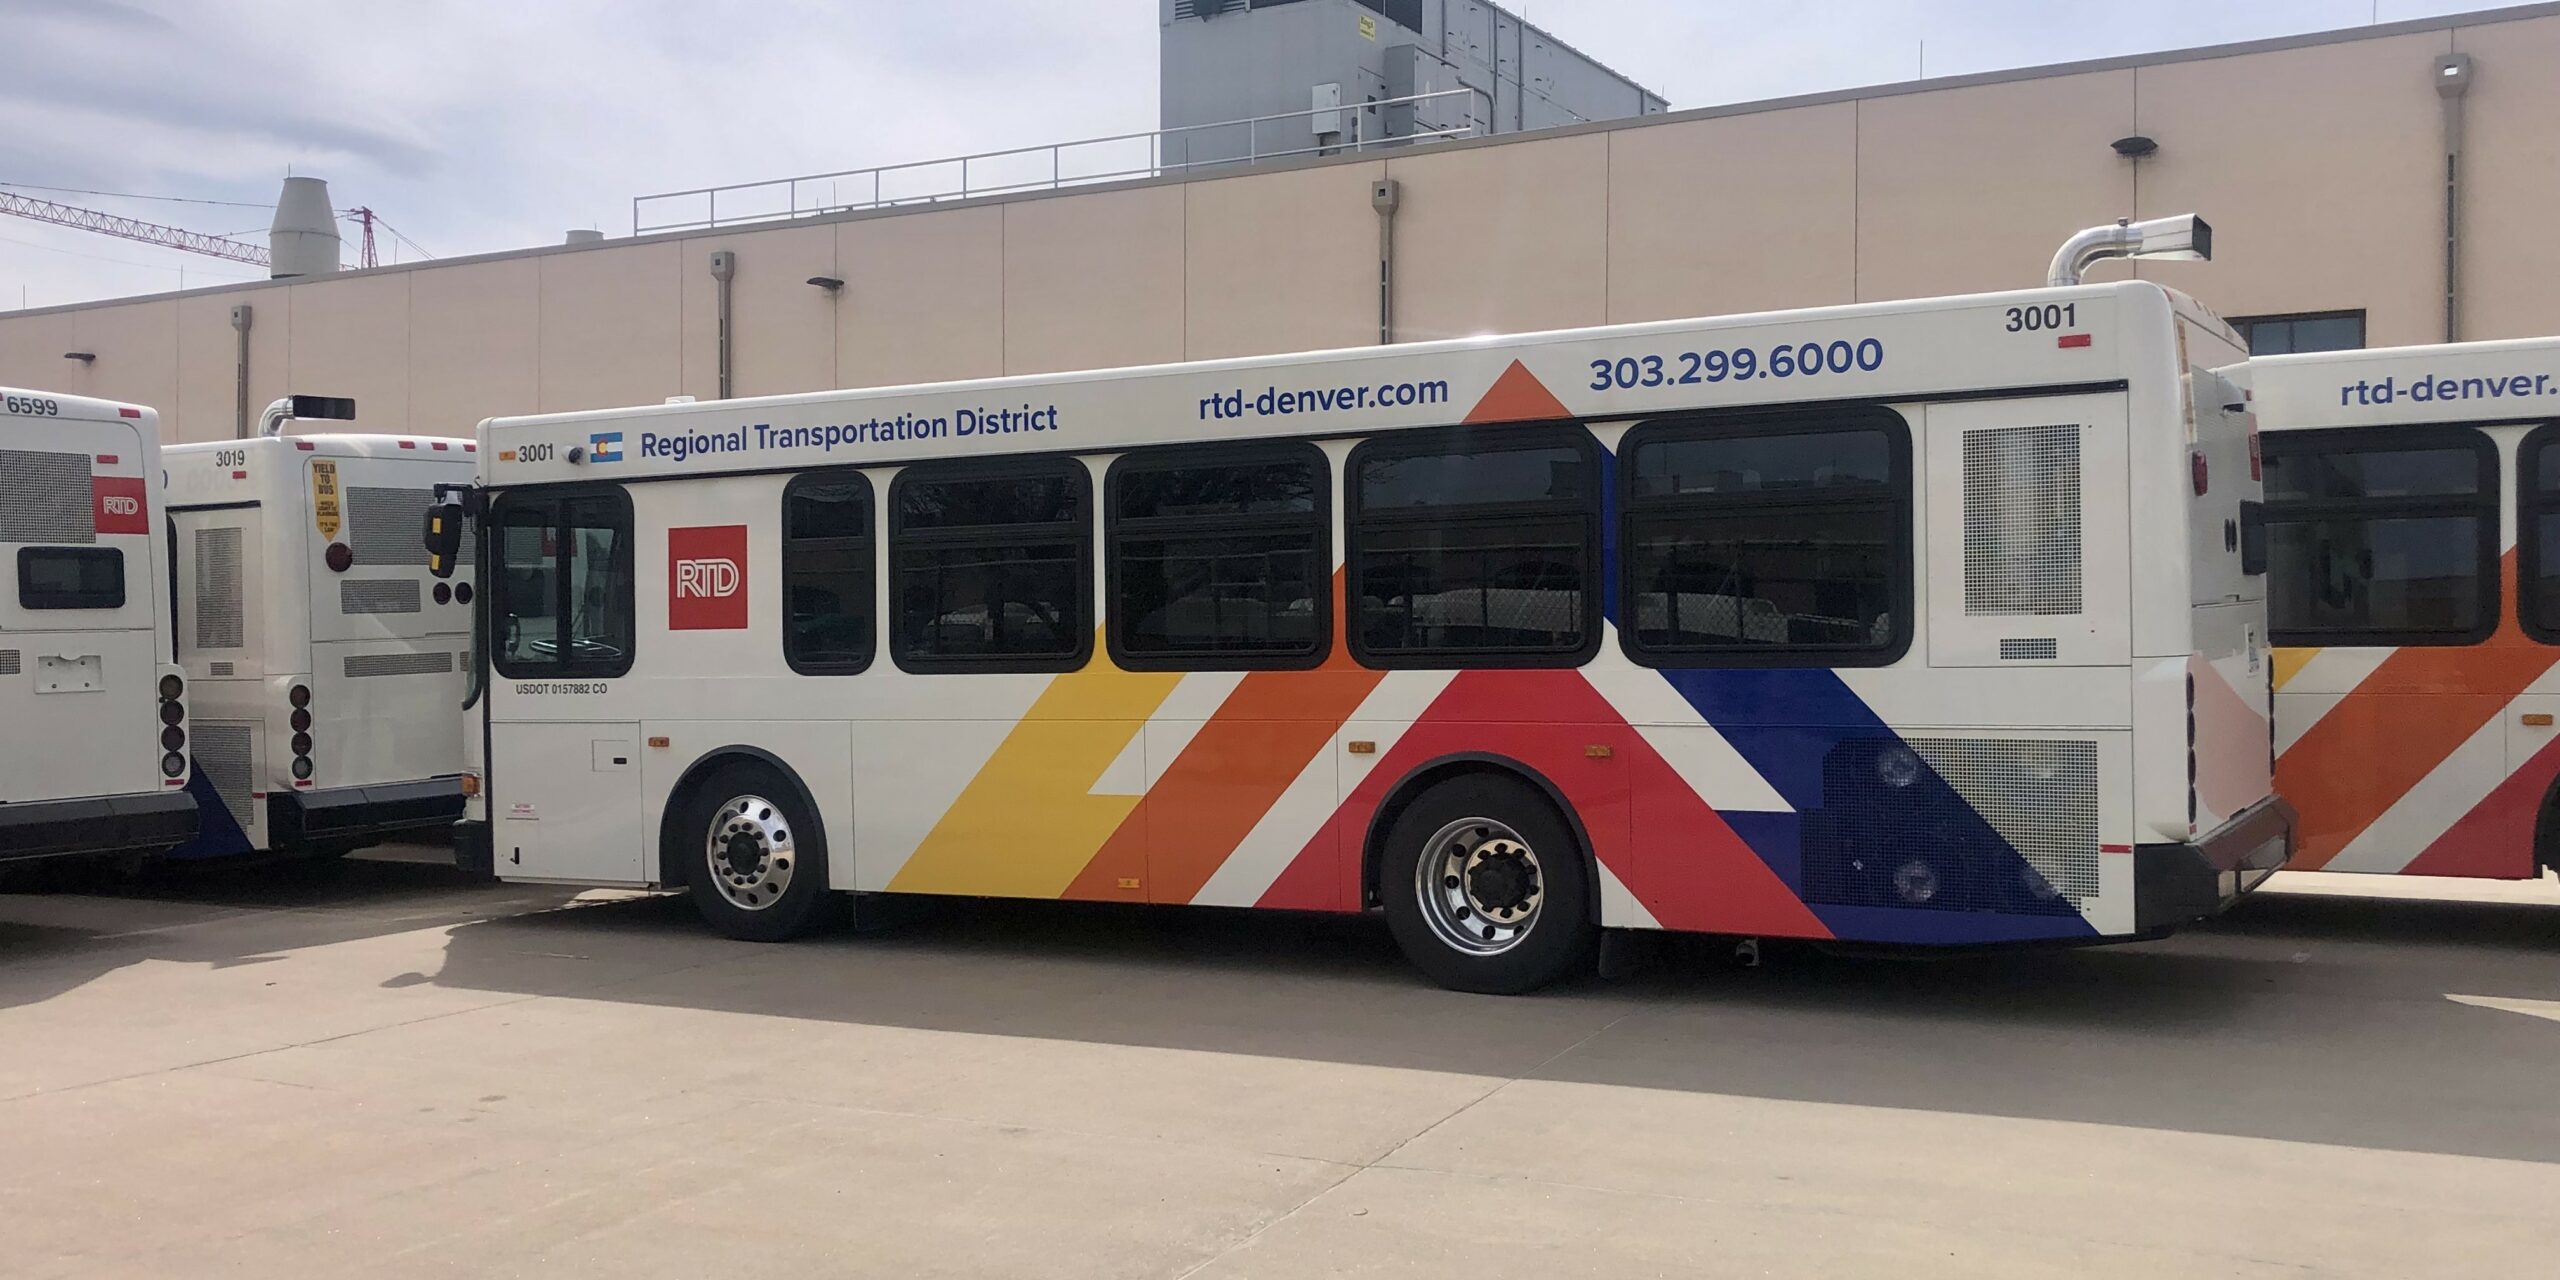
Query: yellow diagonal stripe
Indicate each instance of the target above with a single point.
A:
(1028, 822)
(2290, 662)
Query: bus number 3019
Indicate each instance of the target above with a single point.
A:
(1741, 364)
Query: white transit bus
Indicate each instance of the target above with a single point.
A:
(1918, 622)
(93, 714)
(327, 666)
(2413, 500)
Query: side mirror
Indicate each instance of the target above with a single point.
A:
(443, 538)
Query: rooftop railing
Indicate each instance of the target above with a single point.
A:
(1118, 157)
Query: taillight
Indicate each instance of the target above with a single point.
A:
(299, 697)
(471, 784)
(173, 733)
(2191, 748)
(2203, 474)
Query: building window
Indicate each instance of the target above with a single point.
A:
(2382, 537)
(2538, 534)
(563, 605)
(1220, 559)
(2312, 331)
(826, 573)
(1768, 542)
(70, 577)
(1475, 547)
(990, 566)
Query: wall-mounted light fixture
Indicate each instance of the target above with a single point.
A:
(84, 357)
(2136, 147)
(828, 283)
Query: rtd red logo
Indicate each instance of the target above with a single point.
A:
(119, 504)
(707, 578)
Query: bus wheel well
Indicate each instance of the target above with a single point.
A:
(675, 870)
(2546, 831)
(1433, 773)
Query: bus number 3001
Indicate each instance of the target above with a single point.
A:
(2052, 315)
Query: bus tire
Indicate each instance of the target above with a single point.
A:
(1486, 888)
(756, 862)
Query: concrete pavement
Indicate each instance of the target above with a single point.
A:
(379, 1069)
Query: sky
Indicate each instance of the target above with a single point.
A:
(473, 126)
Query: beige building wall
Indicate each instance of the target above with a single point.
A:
(2319, 161)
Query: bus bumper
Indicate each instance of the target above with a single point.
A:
(471, 851)
(2176, 883)
(99, 825)
(361, 814)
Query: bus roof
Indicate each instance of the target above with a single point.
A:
(2508, 380)
(2083, 337)
(13, 401)
(333, 445)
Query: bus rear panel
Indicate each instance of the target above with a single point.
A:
(93, 717)
(328, 665)
(1908, 623)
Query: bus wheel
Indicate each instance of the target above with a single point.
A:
(759, 869)
(1486, 889)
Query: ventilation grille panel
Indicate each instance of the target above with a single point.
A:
(49, 497)
(220, 621)
(361, 665)
(2042, 797)
(2022, 520)
(222, 756)
(1955, 824)
(8, 662)
(2017, 650)
(386, 526)
(377, 595)
(217, 669)
(1204, 8)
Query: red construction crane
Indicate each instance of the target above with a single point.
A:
(167, 237)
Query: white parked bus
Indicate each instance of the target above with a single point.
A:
(1914, 622)
(327, 665)
(93, 715)
(2413, 500)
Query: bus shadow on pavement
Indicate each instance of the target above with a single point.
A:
(2214, 1031)
(72, 925)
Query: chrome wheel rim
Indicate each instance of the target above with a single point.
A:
(1480, 885)
(749, 853)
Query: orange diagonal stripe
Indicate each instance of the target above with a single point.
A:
(2397, 726)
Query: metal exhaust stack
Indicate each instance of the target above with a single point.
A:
(2184, 237)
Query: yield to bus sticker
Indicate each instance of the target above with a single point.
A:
(707, 578)
(324, 497)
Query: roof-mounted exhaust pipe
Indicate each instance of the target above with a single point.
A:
(2185, 237)
(330, 408)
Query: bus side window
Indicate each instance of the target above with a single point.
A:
(1475, 547)
(2538, 533)
(2382, 536)
(1220, 558)
(1768, 541)
(826, 573)
(991, 566)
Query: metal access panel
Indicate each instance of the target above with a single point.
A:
(568, 807)
(2027, 537)
(222, 606)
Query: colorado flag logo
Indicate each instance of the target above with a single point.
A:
(605, 446)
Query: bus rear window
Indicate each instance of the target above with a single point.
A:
(70, 578)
